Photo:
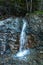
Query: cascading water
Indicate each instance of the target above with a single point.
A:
(23, 39)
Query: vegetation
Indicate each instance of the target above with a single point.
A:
(39, 12)
(20, 7)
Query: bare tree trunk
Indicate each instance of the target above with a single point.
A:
(27, 5)
(41, 5)
(31, 6)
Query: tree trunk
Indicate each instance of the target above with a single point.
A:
(31, 6)
(27, 5)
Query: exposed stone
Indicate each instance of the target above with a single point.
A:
(10, 32)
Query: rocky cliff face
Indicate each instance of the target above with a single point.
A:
(10, 30)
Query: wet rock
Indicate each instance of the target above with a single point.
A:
(35, 24)
(10, 37)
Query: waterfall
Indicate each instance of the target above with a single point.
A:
(23, 36)
(23, 39)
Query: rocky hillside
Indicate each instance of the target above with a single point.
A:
(10, 30)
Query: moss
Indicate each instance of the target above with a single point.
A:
(38, 12)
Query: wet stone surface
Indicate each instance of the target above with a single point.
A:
(10, 30)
